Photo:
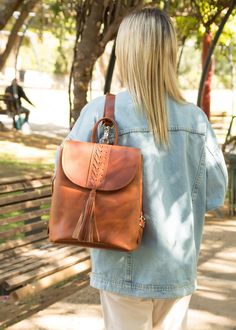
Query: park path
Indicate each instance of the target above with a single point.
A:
(212, 307)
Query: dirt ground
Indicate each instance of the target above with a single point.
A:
(23, 153)
(213, 306)
(13, 311)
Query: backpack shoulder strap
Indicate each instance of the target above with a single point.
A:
(109, 108)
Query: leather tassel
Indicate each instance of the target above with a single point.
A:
(84, 230)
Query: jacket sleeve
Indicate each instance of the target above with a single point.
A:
(22, 94)
(216, 172)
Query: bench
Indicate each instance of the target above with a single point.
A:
(29, 263)
(7, 107)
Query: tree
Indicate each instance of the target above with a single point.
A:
(59, 19)
(200, 18)
(226, 54)
(97, 24)
(7, 8)
(207, 62)
(25, 7)
(210, 13)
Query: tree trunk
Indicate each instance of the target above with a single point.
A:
(88, 50)
(211, 50)
(206, 94)
(181, 54)
(97, 32)
(7, 9)
(25, 10)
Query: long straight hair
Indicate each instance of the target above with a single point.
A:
(146, 51)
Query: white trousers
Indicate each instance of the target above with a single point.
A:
(131, 313)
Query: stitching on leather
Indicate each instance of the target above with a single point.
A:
(107, 151)
(98, 165)
(90, 162)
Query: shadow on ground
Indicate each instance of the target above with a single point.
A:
(34, 140)
(213, 305)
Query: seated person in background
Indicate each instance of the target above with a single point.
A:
(17, 92)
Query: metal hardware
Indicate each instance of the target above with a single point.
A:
(142, 221)
(106, 138)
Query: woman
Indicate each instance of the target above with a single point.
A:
(184, 176)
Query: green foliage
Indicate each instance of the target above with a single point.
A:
(204, 16)
(228, 36)
(9, 226)
(225, 54)
(186, 26)
(61, 19)
(190, 68)
(207, 9)
(223, 65)
(55, 25)
(56, 19)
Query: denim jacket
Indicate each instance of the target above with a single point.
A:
(179, 185)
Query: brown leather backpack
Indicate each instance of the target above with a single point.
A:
(97, 195)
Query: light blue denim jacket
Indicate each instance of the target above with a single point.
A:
(179, 186)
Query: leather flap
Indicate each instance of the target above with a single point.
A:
(99, 166)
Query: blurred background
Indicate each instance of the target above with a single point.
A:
(51, 44)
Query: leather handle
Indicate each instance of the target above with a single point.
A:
(106, 120)
(109, 108)
(109, 117)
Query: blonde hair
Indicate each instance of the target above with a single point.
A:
(146, 51)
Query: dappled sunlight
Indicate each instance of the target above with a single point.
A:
(205, 292)
(209, 215)
(217, 255)
(64, 316)
(33, 140)
(227, 254)
(33, 148)
(213, 305)
(219, 265)
(204, 320)
(27, 154)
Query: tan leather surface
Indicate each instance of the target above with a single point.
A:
(109, 106)
(117, 212)
(97, 195)
(100, 166)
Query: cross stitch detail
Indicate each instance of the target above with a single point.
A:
(98, 165)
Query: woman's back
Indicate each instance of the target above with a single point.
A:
(184, 175)
(180, 183)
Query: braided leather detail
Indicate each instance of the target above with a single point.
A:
(98, 165)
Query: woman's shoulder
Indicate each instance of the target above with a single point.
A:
(186, 114)
(185, 107)
(96, 105)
